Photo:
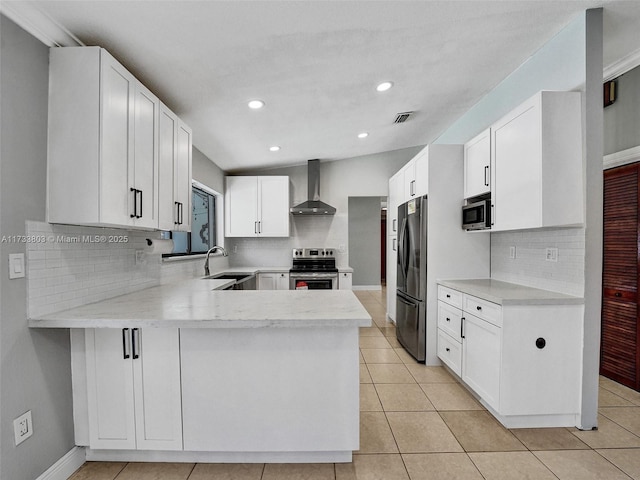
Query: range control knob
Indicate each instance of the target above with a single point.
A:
(541, 343)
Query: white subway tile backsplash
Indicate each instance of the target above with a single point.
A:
(530, 267)
(76, 266)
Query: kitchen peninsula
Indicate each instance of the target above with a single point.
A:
(182, 372)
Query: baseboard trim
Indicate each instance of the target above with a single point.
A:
(367, 287)
(64, 468)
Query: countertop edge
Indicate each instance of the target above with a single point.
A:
(554, 298)
(215, 324)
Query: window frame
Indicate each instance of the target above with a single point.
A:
(218, 199)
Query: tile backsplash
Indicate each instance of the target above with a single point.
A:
(530, 267)
(69, 266)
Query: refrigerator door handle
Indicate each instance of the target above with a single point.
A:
(410, 304)
(402, 249)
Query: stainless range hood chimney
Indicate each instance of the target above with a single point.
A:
(313, 206)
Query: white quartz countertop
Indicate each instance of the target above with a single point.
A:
(194, 304)
(505, 293)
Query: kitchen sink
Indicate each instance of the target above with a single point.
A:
(228, 276)
(243, 281)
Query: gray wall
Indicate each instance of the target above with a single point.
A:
(207, 172)
(35, 368)
(622, 119)
(364, 240)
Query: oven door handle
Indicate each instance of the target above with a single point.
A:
(313, 275)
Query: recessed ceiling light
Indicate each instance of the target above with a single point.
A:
(256, 104)
(384, 86)
(274, 148)
(363, 135)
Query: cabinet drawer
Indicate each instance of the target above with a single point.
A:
(491, 312)
(450, 352)
(449, 320)
(450, 296)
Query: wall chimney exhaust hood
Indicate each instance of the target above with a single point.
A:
(313, 206)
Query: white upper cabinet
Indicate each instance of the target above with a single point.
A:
(104, 143)
(414, 177)
(536, 164)
(477, 165)
(394, 199)
(257, 206)
(174, 172)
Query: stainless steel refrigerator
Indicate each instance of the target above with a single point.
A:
(411, 292)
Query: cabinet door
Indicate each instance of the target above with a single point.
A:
(394, 199)
(182, 175)
(345, 281)
(477, 162)
(282, 281)
(392, 271)
(409, 181)
(481, 343)
(117, 87)
(516, 170)
(158, 402)
(167, 151)
(144, 201)
(273, 206)
(240, 206)
(110, 392)
(267, 281)
(422, 173)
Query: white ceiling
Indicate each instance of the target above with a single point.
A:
(316, 65)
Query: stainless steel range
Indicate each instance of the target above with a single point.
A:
(313, 269)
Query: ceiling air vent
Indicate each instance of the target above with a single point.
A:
(402, 117)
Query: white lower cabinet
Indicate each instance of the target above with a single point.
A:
(522, 361)
(345, 280)
(273, 281)
(133, 388)
(481, 358)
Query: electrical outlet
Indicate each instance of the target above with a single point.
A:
(23, 427)
(551, 255)
(512, 252)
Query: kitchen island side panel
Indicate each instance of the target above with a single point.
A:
(270, 390)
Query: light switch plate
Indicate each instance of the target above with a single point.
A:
(16, 265)
(551, 255)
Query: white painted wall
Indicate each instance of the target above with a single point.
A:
(366, 176)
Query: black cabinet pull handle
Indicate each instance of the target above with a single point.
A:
(478, 308)
(462, 327)
(125, 343)
(448, 319)
(448, 296)
(448, 349)
(140, 192)
(181, 212)
(135, 202)
(541, 343)
(135, 342)
(486, 182)
(176, 220)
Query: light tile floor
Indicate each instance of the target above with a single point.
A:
(418, 423)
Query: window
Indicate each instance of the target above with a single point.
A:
(203, 233)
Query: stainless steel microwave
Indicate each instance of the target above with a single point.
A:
(477, 215)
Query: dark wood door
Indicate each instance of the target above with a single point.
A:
(620, 355)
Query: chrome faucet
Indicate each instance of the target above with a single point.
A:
(206, 262)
